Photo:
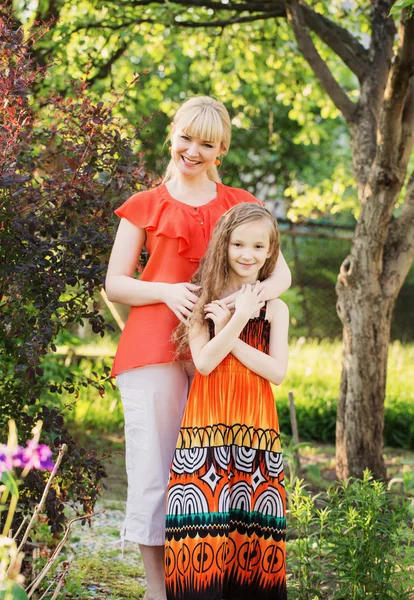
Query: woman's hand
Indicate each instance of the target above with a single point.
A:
(218, 312)
(180, 298)
(248, 301)
(230, 300)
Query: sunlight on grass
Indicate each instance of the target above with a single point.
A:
(313, 376)
(105, 574)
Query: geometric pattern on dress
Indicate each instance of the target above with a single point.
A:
(243, 458)
(211, 477)
(189, 460)
(274, 463)
(270, 502)
(241, 496)
(186, 499)
(257, 478)
(229, 435)
(222, 456)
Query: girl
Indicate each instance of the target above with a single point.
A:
(174, 221)
(226, 517)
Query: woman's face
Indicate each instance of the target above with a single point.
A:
(191, 155)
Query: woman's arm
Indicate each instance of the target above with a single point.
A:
(278, 282)
(271, 366)
(120, 285)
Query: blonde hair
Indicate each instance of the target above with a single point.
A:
(205, 118)
(212, 274)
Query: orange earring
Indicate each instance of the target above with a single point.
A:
(217, 162)
(170, 148)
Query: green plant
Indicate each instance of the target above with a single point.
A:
(367, 526)
(307, 530)
(349, 544)
(13, 456)
(313, 375)
(63, 164)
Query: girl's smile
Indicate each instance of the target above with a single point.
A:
(249, 248)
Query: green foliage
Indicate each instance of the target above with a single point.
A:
(400, 5)
(12, 591)
(62, 167)
(352, 543)
(292, 137)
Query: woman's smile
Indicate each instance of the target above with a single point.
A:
(190, 162)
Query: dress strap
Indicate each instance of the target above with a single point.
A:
(262, 313)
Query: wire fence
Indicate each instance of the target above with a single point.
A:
(314, 252)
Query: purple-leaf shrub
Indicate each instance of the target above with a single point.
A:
(64, 165)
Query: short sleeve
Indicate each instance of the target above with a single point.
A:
(139, 209)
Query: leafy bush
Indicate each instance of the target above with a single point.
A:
(62, 166)
(352, 543)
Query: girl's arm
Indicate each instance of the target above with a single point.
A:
(206, 353)
(271, 366)
(120, 285)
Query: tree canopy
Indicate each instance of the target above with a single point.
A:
(289, 140)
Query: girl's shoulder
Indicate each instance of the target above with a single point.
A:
(238, 195)
(276, 310)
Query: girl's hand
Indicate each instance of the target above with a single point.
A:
(218, 312)
(179, 298)
(230, 300)
(248, 301)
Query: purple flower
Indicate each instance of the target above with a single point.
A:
(34, 456)
(6, 458)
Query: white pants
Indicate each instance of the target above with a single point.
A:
(154, 399)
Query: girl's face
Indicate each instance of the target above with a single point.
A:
(191, 155)
(249, 248)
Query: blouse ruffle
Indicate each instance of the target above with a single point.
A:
(161, 215)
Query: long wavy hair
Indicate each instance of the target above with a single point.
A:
(213, 272)
(205, 118)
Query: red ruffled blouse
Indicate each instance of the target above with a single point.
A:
(177, 238)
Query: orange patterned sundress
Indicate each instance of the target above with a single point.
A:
(226, 508)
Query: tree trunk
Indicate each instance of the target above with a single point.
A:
(365, 306)
(360, 420)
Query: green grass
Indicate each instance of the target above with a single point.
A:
(315, 371)
(105, 574)
(313, 375)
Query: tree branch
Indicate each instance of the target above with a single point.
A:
(48, 12)
(380, 56)
(395, 97)
(224, 22)
(237, 7)
(399, 246)
(343, 43)
(317, 64)
(105, 69)
(407, 127)
(108, 25)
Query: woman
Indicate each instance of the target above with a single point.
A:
(174, 221)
